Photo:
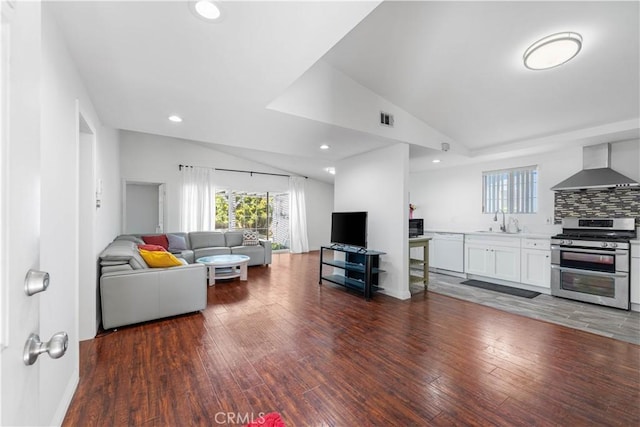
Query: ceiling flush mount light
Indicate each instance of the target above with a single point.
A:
(330, 170)
(552, 51)
(324, 147)
(435, 161)
(207, 9)
(175, 119)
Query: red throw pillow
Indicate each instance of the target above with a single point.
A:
(152, 248)
(158, 239)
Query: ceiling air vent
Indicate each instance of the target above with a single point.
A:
(386, 119)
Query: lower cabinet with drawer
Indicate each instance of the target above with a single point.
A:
(535, 262)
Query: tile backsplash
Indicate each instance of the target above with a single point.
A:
(604, 203)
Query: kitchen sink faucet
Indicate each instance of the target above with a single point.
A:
(503, 227)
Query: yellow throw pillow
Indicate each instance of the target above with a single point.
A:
(159, 259)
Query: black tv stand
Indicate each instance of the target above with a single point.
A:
(347, 248)
(360, 268)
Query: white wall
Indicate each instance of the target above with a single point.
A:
(108, 218)
(377, 182)
(63, 95)
(451, 198)
(154, 158)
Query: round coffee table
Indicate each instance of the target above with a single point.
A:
(225, 267)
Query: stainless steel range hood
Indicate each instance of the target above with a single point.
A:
(596, 172)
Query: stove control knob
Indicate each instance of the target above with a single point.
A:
(613, 245)
(604, 244)
(569, 242)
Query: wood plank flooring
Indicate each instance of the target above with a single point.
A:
(320, 355)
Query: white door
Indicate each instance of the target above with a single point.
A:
(20, 393)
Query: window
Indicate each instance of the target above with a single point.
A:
(513, 191)
(267, 213)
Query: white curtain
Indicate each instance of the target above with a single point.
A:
(198, 199)
(298, 240)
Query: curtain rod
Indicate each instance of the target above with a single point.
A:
(243, 171)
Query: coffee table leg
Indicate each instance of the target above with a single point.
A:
(243, 271)
(212, 275)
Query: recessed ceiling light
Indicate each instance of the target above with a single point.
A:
(552, 51)
(176, 119)
(207, 9)
(436, 160)
(324, 147)
(330, 170)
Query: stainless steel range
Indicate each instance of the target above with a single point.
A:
(590, 260)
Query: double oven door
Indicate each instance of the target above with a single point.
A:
(595, 275)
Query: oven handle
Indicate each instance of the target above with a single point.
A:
(589, 272)
(590, 251)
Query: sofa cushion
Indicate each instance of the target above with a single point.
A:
(233, 238)
(157, 239)
(123, 251)
(250, 238)
(202, 252)
(206, 239)
(159, 259)
(177, 243)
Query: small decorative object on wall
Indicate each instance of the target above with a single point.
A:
(412, 208)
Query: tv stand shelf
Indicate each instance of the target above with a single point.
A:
(359, 268)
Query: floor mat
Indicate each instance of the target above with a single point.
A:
(501, 288)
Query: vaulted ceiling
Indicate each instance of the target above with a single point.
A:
(272, 81)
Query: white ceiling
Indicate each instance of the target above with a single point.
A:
(281, 78)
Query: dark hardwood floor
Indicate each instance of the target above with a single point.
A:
(321, 355)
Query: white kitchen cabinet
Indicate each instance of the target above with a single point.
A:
(493, 256)
(635, 275)
(535, 262)
(476, 259)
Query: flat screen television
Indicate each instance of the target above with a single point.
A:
(349, 228)
(416, 227)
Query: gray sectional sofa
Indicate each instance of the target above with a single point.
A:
(131, 292)
(206, 243)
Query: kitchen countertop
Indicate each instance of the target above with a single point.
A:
(495, 233)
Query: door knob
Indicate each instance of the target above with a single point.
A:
(36, 281)
(56, 347)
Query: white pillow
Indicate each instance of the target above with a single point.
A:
(250, 238)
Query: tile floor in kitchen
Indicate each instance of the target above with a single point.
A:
(618, 324)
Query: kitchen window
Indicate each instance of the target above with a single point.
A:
(512, 191)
